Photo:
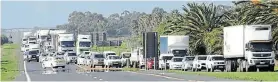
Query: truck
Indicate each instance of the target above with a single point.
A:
(41, 35)
(248, 47)
(51, 38)
(63, 42)
(25, 37)
(84, 43)
(137, 58)
(172, 46)
(32, 40)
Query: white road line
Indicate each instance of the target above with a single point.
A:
(26, 73)
(100, 79)
(95, 77)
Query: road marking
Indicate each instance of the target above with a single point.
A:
(26, 73)
(100, 79)
(95, 77)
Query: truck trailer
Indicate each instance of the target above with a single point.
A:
(248, 47)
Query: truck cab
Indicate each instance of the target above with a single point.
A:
(125, 58)
(24, 40)
(164, 60)
(65, 42)
(32, 40)
(137, 57)
(83, 43)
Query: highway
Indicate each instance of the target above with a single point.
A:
(34, 72)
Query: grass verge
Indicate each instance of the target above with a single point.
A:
(131, 69)
(253, 76)
(9, 62)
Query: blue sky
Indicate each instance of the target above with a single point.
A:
(27, 14)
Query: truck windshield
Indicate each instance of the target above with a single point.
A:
(261, 47)
(202, 58)
(114, 57)
(32, 38)
(218, 58)
(179, 52)
(85, 44)
(67, 43)
(189, 58)
(177, 59)
(34, 52)
(167, 57)
(99, 56)
(71, 54)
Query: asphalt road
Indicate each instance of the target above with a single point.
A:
(34, 72)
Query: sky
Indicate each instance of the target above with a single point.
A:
(28, 14)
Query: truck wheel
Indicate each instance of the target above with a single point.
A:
(271, 68)
(102, 66)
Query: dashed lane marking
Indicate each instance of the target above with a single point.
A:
(159, 76)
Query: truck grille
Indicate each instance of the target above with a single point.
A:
(265, 61)
(261, 55)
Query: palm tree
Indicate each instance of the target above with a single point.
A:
(202, 22)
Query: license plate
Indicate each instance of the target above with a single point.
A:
(262, 62)
(220, 66)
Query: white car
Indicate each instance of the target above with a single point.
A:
(97, 59)
(214, 62)
(53, 62)
(176, 63)
(199, 63)
(112, 60)
(187, 63)
(70, 57)
(42, 57)
(81, 60)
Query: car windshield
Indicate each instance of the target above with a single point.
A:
(87, 52)
(99, 56)
(24, 40)
(167, 57)
(71, 54)
(218, 58)
(33, 52)
(85, 44)
(179, 52)
(111, 54)
(126, 55)
(202, 58)
(67, 43)
(190, 58)
(177, 59)
(114, 57)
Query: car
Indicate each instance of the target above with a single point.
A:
(42, 57)
(125, 58)
(87, 60)
(70, 57)
(32, 55)
(187, 63)
(97, 59)
(54, 62)
(81, 59)
(199, 62)
(112, 60)
(176, 63)
(107, 53)
(214, 62)
(59, 54)
(150, 63)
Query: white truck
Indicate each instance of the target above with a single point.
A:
(248, 47)
(32, 40)
(63, 42)
(83, 43)
(41, 35)
(137, 58)
(25, 37)
(171, 46)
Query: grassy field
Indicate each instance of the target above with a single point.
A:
(252, 76)
(9, 62)
(117, 49)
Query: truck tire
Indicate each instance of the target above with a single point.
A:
(233, 65)
(271, 68)
(102, 66)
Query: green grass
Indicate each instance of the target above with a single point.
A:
(276, 68)
(252, 76)
(131, 69)
(9, 62)
(117, 49)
